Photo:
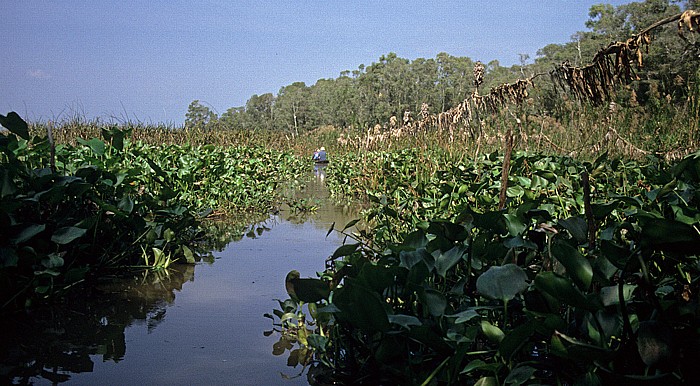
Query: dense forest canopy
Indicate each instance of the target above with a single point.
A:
(392, 86)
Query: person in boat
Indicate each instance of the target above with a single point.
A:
(322, 156)
(315, 156)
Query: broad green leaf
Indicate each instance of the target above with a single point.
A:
(53, 261)
(486, 381)
(306, 290)
(564, 289)
(28, 232)
(516, 338)
(670, 235)
(97, 146)
(189, 256)
(520, 375)
(610, 295)
(345, 250)
(502, 282)
(577, 267)
(492, 332)
(654, 340)
(405, 321)
(126, 204)
(478, 364)
(7, 185)
(67, 234)
(363, 308)
(515, 224)
(317, 342)
(8, 257)
(434, 301)
(577, 226)
(464, 316)
(447, 260)
(15, 124)
(410, 258)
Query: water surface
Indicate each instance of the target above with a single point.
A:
(199, 324)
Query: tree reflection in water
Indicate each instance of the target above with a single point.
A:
(52, 343)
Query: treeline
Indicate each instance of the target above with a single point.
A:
(393, 85)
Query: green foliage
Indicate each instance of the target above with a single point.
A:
(451, 291)
(200, 117)
(113, 203)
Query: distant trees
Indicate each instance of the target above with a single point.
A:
(372, 94)
(199, 116)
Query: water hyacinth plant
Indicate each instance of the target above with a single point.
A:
(587, 276)
(73, 211)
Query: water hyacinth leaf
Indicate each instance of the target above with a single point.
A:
(361, 307)
(654, 340)
(126, 204)
(464, 316)
(410, 258)
(503, 282)
(478, 364)
(434, 301)
(415, 240)
(492, 332)
(405, 321)
(577, 226)
(520, 375)
(615, 254)
(516, 338)
(65, 235)
(7, 185)
(15, 124)
(317, 342)
(569, 347)
(603, 210)
(306, 290)
(515, 224)
(486, 381)
(610, 295)
(28, 232)
(8, 257)
(377, 277)
(577, 267)
(53, 261)
(447, 260)
(563, 289)
(189, 256)
(345, 250)
(670, 235)
(97, 146)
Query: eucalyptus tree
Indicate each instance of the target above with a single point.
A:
(260, 110)
(199, 116)
(292, 107)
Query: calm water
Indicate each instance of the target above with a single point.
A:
(199, 325)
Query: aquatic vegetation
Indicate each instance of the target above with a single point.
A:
(70, 212)
(588, 275)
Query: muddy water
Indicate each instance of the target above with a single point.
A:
(199, 324)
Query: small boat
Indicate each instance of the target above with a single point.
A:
(319, 162)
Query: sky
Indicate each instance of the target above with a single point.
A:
(146, 61)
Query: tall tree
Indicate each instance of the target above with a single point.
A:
(199, 116)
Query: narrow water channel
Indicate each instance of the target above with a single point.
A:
(198, 325)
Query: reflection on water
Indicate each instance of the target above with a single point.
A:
(167, 327)
(52, 343)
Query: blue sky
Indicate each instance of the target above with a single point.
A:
(147, 60)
